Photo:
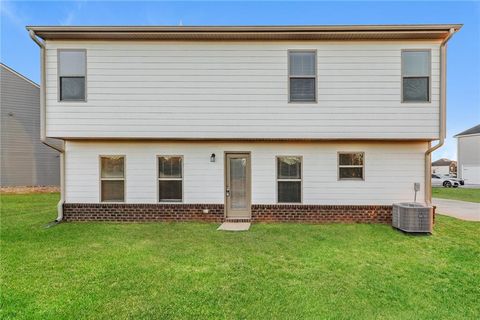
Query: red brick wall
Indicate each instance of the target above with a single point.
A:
(194, 212)
(322, 213)
(142, 212)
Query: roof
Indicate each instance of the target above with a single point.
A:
(473, 130)
(317, 32)
(443, 162)
(18, 74)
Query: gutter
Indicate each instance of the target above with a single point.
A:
(54, 144)
(443, 118)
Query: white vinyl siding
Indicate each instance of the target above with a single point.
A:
(240, 90)
(390, 172)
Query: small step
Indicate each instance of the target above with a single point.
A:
(234, 226)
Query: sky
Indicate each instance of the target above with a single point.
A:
(19, 52)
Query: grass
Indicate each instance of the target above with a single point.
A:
(471, 195)
(190, 270)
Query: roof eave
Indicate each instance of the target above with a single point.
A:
(359, 32)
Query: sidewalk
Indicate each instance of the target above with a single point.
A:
(458, 209)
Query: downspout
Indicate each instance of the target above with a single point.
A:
(442, 118)
(43, 117)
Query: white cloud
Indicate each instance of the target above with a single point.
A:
(71, 15)
(11, 12)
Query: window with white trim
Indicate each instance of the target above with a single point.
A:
(170, 178)
(351, 165)
(289, 179)
(302, 76)
(71, 75)
(416, 75)
(112, 178)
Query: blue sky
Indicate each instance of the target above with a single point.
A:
(463, 77)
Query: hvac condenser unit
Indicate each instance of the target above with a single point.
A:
(412, 217)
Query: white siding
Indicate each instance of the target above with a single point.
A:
(239, 90)
(469, 158)
(390, 171)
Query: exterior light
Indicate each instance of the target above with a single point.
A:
(212, 157)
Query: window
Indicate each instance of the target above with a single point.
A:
(289, 179)
(350, 165)
(170, 179)
(416, 76)
(71, 72)
(302, 74)
(112, 176)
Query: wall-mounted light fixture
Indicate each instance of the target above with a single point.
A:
(212, 157)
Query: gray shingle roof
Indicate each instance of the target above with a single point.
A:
(472, 130)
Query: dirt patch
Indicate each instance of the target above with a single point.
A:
(29, 189)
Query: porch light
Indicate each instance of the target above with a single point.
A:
(212, 157)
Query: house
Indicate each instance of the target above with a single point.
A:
(468, 154)
(444, 166)
(260, 123)
(25, 161)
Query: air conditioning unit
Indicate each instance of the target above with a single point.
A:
(412, 217)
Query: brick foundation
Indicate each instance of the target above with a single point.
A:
(322, 213)
(133, 212)
(194, 212)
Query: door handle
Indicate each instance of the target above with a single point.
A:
(227, 192)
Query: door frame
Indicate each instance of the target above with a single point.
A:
(249, 180)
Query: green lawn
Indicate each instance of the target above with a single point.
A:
(190, 270)
(472, 195)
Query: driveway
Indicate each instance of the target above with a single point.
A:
(458, 209)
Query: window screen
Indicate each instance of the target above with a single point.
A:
(71, 71)
(170, 179)
(112, 178)
(302, 76)
(289, 179)
(416, 76)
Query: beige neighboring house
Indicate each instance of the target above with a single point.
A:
(25, 161)
(444, 166)
(260, 123)
(468, 154)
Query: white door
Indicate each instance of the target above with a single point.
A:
(471, 174)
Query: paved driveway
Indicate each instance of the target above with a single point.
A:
(458, 209)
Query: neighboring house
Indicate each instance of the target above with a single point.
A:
(279, 123)
(25, 161)
(468, 154)
(444, 166)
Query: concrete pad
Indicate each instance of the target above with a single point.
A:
(234, 226)
(458, 209)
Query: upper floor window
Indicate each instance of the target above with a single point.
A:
(289, 179)
(416, 75)
(71, 74)
(112, 178)
(302, 76)
(351, 165)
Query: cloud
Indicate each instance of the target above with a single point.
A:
(11, 12)
(72, 13)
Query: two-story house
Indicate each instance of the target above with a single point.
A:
(272, 123)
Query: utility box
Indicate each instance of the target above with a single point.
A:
(412, 217)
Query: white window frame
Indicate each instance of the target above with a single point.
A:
(350, 166)
(59, 76)
(429, 76)
(289, 179)
(169, 179)
(124, 179)
(314, 77)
